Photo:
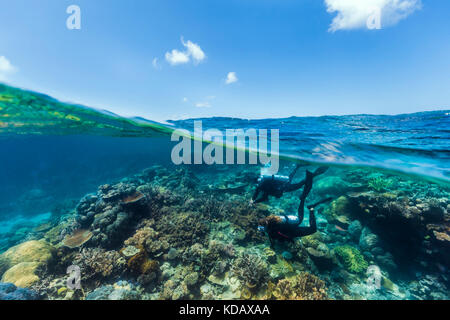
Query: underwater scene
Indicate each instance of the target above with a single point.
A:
(92, 207)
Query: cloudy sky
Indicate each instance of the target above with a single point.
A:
(244, 58)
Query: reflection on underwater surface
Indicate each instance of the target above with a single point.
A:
(158, 231)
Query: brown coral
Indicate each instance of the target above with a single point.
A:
(141, 264)
(96, 263)
(303, 286)
(181, 230)
(251, 270)
(77, 238)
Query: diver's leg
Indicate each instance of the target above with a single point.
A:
(264, 198)
(308, 185)
(311, 229)
(320, 170)
(294, 186)
(312, 221)
(306, 191)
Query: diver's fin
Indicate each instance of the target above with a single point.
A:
(320, 170)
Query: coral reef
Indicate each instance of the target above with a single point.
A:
(251, 270)
(351, 258)
(97, 264)
(110, 214)
(304, 286)
(379, 184)
(77, 238)
(23, 274)
(121, 290)
(21, 264)
(170, 234)
(9, 291)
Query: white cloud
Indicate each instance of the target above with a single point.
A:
(231, 78)
(176, 57)
(185, 99)
(203, 105)
(193, 51)
(354, 14)
(206, 103)
(6, 68)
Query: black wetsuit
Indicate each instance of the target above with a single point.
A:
(276, 185)
(290, 227)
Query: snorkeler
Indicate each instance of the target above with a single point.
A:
(287, 228)
(276, 185)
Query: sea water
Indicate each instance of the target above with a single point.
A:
(384, 235)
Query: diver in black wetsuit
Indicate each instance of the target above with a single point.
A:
(276, 185)
(287, 228)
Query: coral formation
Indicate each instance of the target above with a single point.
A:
(23, 274)
(20, 264)
(9, 291)
(304, 286)
(111, 213)
(169, 234)
(77, 238)
(251, 270)
(97, 264)
(351, 258)
(379, 184)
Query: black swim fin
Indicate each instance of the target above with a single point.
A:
(320, 170)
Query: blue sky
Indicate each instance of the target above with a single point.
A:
(287, 57)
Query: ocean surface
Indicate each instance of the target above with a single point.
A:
(416, 143)
(388, 178)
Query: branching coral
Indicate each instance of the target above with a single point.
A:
(96, 263)
(379, 184)
(303, 286)
(251, 270)
(213, 209)
(351, 258)
(246, 218)
(181, 230)
(140, 237)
